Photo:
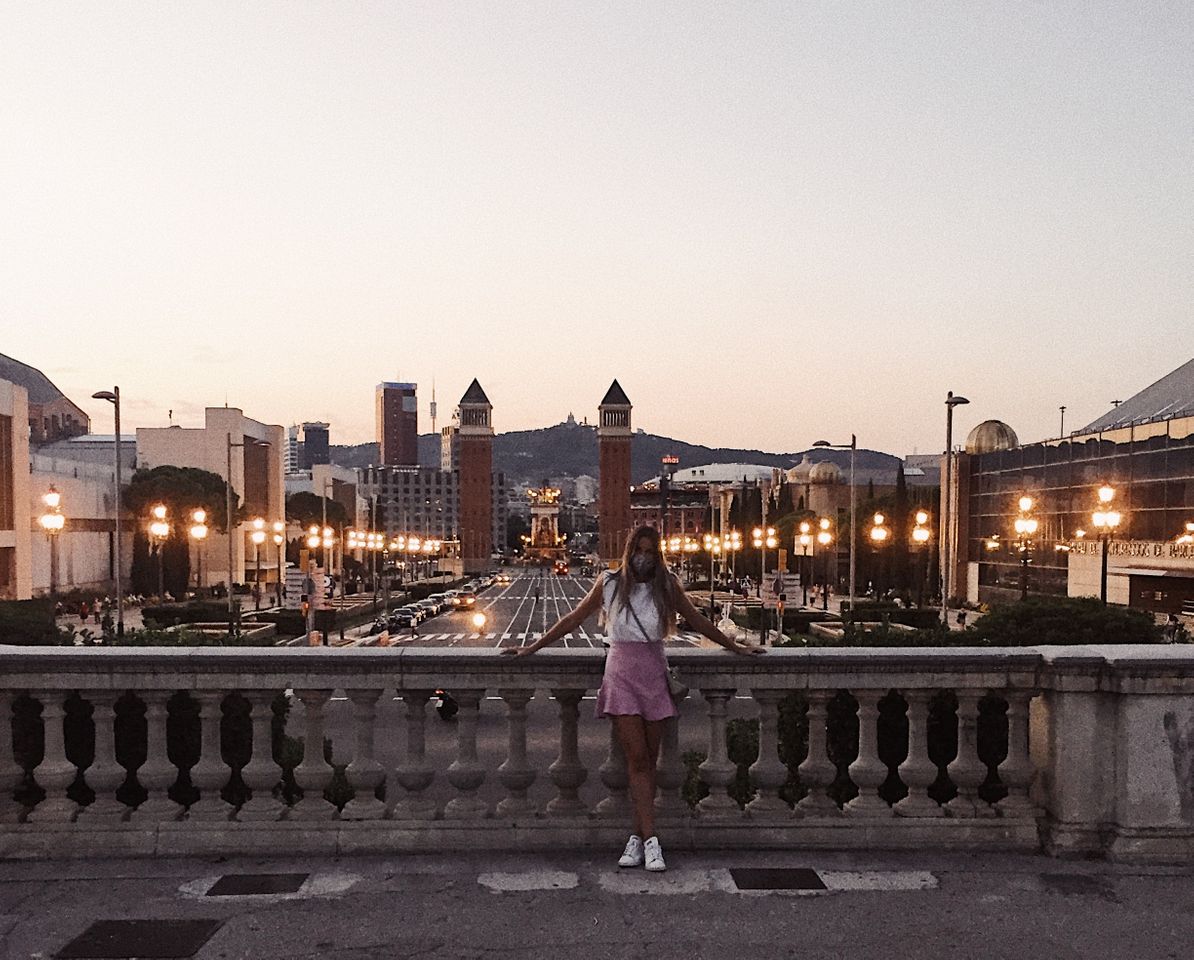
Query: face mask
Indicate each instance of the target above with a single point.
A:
(643, 564)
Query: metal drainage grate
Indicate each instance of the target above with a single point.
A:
(777, 878)
(1077, 885)
(152, 939)
(257, 884)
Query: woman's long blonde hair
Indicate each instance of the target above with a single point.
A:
(663, 584)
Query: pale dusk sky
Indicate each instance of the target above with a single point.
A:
(772, 222)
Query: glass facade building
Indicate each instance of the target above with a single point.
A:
(1150, 466)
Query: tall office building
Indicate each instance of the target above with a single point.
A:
(314, 446)
(397, 417)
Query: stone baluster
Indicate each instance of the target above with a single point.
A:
(669, 773)
(917, 771)
(261, 774)
(211, 773)
(465, 773)
(105, 774)
(966, 770)
(1016, 770)
(314, 774)
(10, 772)
(817, 771)
(157, 774)
(567, 772)
(414, 773)
(867, 771)
(515, 773)
(767, 773)
(616, 806)
(55, 772)
(364, 773)
(717, 772)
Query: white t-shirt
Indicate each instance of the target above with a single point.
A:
(620, 623)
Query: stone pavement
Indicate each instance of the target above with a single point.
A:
(889, 906)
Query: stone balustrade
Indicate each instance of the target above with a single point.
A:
(1073, 750)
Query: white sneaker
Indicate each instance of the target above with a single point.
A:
(632, 856)
(654, 855)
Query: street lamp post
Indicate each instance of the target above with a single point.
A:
(159, 530)
(825, 538)
(852, 446)
(198, 533)
(258, 538)
(1026, 526)
(279, 540)
(1105, 520)
(805, 540)
(52, 522)
(879, 536)
(947, 568)
(113, 397)
(920, 536)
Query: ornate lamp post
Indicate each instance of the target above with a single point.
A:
(1026, 526)
(258, 538)
(1105, 520)
(805, 541)
(279, 540)
(852, 446)
(713, 548)
(52, 522)
(763, 539)
(879, 537)
(920, 536)
(159, 530)
(825, 538)
(198, 533)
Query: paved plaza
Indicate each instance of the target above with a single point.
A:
(921, 906)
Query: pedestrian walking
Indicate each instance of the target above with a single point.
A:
(639, 601)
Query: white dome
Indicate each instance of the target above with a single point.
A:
(825, 472)
(991, 435)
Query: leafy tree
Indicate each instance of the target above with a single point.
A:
(306, 508)
(181, 490)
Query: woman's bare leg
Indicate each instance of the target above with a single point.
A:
(640, 741)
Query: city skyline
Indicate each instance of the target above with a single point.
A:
(740, 214)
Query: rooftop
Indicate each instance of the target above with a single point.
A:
(474, 394)
(39, 387)
(1171, 396)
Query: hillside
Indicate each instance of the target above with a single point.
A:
(570, 449)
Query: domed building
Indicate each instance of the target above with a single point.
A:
(991, 436)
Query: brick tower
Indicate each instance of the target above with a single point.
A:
(613, 451)
(475, 457)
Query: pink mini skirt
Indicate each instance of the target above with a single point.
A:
(635, 682)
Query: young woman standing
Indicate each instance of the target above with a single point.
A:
(640, 601)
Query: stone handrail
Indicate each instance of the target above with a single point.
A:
(1099, 753)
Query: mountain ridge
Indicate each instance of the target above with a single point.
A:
(570, 450)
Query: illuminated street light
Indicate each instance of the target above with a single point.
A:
(1188, 536)
(258, 538)
(825, 538)
(159, 530)
(1105, 520)
(921, 536)
(279, 539)
(52, 522)
(198, 533)
(1026, 527)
